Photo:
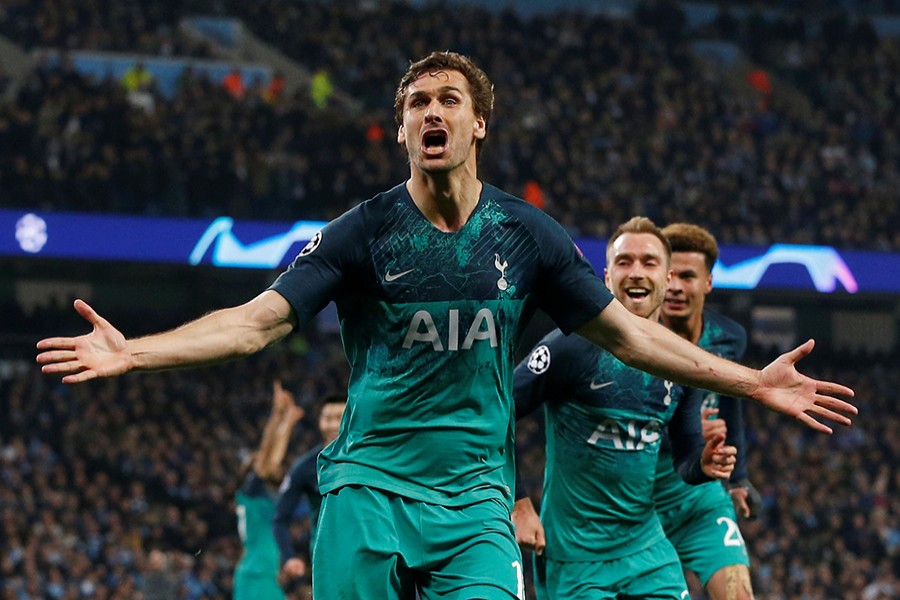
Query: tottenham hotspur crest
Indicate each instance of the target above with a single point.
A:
(502, 283)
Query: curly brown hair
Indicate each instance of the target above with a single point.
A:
(687, 237)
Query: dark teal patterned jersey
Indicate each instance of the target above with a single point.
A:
(726, 338)
(430, 322)
(255, 508)
(604, 422)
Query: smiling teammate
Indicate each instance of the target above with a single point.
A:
(604, 425)
(433, 280)
(700, 521)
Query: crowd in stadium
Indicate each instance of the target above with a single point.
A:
(112, 489)
(610, 118)
(97, 477)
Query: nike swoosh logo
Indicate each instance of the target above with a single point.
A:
(598, 386)
(389, 277)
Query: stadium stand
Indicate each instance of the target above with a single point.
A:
(634, 123)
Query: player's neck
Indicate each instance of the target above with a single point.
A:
(690, 327)
(447, 199)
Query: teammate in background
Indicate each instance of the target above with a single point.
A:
(700, 520)
(604, 422)
(301, 482)
(256, 575)
(434, 280)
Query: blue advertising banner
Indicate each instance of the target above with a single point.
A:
(224, 242)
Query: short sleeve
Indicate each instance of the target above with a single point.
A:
(319, 271)
(569, 289)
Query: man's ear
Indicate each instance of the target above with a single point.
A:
(480, 128)
(401, 135)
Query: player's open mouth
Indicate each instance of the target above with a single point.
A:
(434, 141)
(637, 293)
(674, 303)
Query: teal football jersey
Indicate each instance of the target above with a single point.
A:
(728, 339)
(255, 513)
(430, 322)
(604, 421)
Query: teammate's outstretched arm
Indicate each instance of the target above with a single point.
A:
(217, 336)
(651, 347)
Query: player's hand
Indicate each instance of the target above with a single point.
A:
(711, 427)
(529, 529)
(294, 567)
(746, 499)
(784, 389)
(283, 403)
(718, 460)
(101, 353)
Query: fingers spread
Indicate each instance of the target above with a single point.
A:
(836, 404)
(800, 351)
(831, 415)
(55, 368)
(80, 377)
(812, 423)
(84, 309)
(831, 388)
(58, 343)
(55, 356)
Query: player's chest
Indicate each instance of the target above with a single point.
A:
(425, 265)
(606, 383)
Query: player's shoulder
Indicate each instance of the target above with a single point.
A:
(721, 330)
(723, 325)
(514, 206)
(372, 212)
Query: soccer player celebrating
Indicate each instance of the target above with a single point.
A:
(301, 482)
(434, 280)
(700, 521)
(604, 424)
(256, 575)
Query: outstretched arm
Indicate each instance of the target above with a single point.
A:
(649, 346)
(217, 336)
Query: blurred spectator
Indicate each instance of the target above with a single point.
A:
(137, 78)
(533, 193)
(321, 89)
(275, 90)
(233, 83)
(614, 116)
(159, 582)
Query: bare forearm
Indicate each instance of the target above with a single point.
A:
(217, 336)
(646, 345)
